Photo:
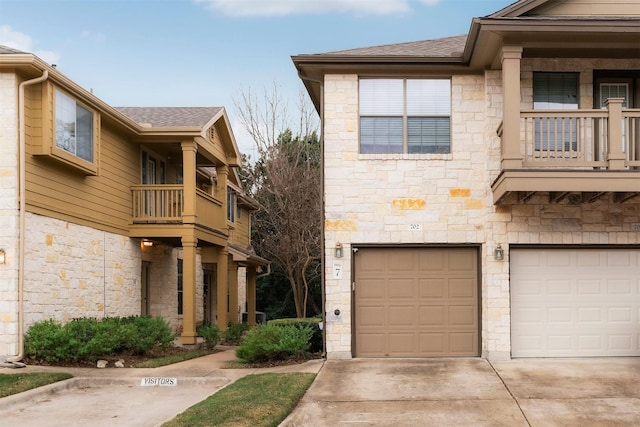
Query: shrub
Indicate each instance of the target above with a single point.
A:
(210, 333)
(234, 332)
(91, 339)
(274, 342)
(315, 342)
(47, 341)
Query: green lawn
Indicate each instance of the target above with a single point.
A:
(259, 400)
(17, 383)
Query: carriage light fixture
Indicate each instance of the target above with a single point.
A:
(3, 256)
(339, 253)
(498, 253)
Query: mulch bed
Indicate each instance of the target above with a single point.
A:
(131, 361)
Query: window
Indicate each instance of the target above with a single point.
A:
(180, 288)
(231, 205)
(74, 127)
(405, 116)
(614, 90)
(555, 91)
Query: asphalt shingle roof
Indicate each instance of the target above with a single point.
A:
(170, 116)
(436, 48)
(9, 50)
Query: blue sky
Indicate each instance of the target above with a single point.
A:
(206, 52)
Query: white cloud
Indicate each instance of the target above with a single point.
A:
(290, 7)
(23, 42)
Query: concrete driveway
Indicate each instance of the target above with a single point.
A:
(473, 392)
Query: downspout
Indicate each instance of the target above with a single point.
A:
(21, 224)
(268, 272)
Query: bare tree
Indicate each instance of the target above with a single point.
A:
(285, 181)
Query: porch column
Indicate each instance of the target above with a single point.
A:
(251, 295)
(189, 150)
(616, 155)
(189, 244)
(222, 286)
(233, 292)
(221, 190)
(511, 155)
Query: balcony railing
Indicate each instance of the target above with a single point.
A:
(607, 139)
(577, 139)
(164, 204)
(157, 203)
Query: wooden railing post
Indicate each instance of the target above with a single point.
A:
(511, 154)
(616, 156)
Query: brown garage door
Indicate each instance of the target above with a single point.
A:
(416, 302)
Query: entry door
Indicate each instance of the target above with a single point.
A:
(144, 291)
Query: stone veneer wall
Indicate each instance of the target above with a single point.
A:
(9, 215)
(163, 286)
(375, 199)
(77, 271)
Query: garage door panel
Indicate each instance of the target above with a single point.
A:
(462, 316)
(461, 262)
(404, 343)
(621, 343)
(589, 306)
(373, 288)
(462, 288)
(430, 261)
(418, 302)
(433, 343)
(590, 314)
(401, 316)
(431, 288)
(401, 288)
(433, 316)
(462, 343)
(372, 315)
(373, 343)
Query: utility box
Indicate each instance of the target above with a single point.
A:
(261, 318)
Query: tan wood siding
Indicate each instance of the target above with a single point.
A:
(59, 191)
(416, 302)
(240, 234)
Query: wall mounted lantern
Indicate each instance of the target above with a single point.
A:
(339, 253)
(3, 256)
(498, 253)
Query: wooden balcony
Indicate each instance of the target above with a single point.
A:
(582, 154)
(159, 211)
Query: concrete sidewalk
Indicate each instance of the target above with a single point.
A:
(113, 396)
(472, 392)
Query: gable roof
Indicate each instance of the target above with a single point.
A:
(170, 116)
(436, 48)
(551, 28)
(9, 50)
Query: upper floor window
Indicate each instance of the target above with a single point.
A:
(231, 205)
(405, 116)
(74, 127)
(555, 91)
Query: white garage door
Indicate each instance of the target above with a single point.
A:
(575, 302)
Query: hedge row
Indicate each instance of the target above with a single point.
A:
(92, 339)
